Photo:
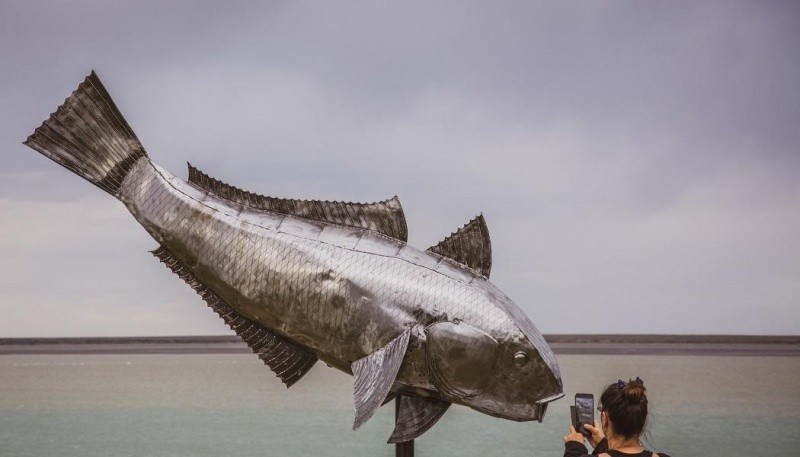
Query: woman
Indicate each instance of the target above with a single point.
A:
(623, 415)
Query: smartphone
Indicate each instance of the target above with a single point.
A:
(584, 412)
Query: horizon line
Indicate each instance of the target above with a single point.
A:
(664, 338)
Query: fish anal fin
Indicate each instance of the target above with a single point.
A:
(416, 416)
(385, 217)
(287, 359)
(374, 375)
(470, 245)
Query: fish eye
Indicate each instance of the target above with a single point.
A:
(520, 358)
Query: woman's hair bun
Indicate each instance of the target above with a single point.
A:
(634, 391)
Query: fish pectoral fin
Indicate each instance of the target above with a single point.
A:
(470, 245)
(385, 217)
(389, 398)
(287, 359)
(374, 375)
(416, 416)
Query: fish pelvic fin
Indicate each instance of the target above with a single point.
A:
(385, 217)
(416, 415)
(470, 245)
(287, 359)
(374, 375)
(88, 136)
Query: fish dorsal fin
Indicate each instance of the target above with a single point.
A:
(374, 375)
(470, 245)
(385, 217)
(416, 416)
(287, 359)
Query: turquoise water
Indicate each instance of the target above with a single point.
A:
(212, 405)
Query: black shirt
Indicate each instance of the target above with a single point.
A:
(576, 449)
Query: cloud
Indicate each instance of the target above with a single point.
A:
(636, 163)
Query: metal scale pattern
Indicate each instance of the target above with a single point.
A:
(311, 281)
(289, 361)
(301, 280)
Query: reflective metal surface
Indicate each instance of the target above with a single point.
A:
(301, 280)
(374, 375)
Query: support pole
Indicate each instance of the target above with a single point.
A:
(405, 449)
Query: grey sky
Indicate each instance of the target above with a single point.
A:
(637, 163)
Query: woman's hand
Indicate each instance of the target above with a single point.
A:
(573, 435)
(596, 431)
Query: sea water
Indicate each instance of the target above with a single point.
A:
(232, 405)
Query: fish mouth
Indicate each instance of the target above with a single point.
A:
(540, 407)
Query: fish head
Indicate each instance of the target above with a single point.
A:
(501, 372)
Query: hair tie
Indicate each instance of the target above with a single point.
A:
(621, 384)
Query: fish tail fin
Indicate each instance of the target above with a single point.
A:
(88, 136)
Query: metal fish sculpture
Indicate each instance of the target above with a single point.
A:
(302, 280)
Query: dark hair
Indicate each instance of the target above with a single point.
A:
(626, 406)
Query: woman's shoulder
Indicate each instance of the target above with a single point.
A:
(614, 453)
(575, 449)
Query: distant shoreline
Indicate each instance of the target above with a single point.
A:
(722, 345)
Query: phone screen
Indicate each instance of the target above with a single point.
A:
(584, 411)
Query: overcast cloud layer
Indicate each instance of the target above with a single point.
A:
(637, 163)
